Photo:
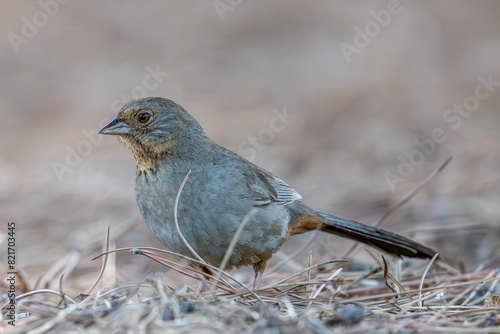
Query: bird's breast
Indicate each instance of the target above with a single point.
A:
(209, 216)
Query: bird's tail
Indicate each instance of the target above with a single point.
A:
(373, 236)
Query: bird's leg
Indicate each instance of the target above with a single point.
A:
(259, 268)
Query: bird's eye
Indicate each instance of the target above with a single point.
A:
(144, 117)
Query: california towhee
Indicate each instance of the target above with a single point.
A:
(223, 187)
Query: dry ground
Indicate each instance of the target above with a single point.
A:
(66, 68)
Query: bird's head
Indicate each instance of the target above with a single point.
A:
(153, 127)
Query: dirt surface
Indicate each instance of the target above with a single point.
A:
(377, 95)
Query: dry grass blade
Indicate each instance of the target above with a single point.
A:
(340, 263)
(317, 292)
(309, 263)
(412, 193)
(415, 291)
(174, 265)
(176, 205)
(39, 291)
(62, 267)
(189, 259)
(452, 302)
(388, 273)
(214, 269)
(63, 300)
(104, 262)
(235, 238)
(423, 278)
(291, 298)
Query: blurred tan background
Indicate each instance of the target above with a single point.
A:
(361, 83)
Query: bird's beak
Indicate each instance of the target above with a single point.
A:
(116, 127)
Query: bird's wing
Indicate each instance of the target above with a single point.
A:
(267, 188)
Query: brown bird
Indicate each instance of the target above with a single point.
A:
(222, 189)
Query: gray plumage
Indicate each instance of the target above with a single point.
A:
(222, 189)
